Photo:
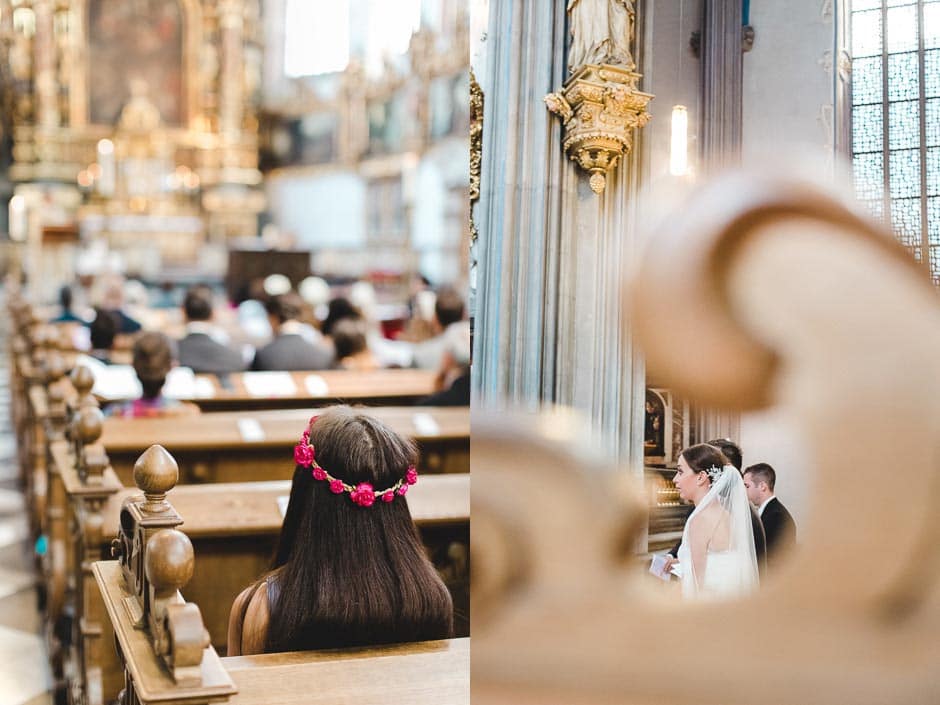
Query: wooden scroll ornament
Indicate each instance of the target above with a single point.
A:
(760, 292)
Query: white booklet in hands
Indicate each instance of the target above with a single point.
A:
(658, 566)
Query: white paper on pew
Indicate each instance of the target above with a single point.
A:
(250, 430)
(426, 425)
(316, 386)
(269, 384)
(180, 384)
(204, 388)
(112, 382)
(282, 504)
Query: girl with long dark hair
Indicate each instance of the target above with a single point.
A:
(350, 569)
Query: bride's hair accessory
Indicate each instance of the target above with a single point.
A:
(362, 494)
(715, 472)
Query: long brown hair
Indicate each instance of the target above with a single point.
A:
(347, 575)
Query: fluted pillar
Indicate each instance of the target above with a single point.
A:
(231, 26)
(44, 48)
(548, 313)
(722, 84)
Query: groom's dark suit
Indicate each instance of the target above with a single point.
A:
(778, 526)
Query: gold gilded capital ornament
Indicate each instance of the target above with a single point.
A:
(600, 106)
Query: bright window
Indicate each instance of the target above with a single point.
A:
(896, 118)
(316, 37)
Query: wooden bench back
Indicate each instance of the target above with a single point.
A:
(761, 292)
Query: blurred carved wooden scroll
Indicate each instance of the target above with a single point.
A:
(759, 292)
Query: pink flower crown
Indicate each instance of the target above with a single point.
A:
(362, 494)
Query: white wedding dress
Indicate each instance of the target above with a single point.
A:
(732, 571)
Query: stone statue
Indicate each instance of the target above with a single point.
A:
(601, 32)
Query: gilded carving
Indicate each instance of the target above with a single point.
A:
(600, 106)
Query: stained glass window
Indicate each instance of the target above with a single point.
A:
(896, 118)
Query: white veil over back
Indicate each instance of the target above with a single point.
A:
(720, 527)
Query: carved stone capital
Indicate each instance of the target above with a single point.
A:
(600, 106)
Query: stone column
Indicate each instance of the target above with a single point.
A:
(722, 128)
(548, 313)
(722, 84)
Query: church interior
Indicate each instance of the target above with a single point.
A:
(692, 249)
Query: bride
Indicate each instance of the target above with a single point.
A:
(717, 556)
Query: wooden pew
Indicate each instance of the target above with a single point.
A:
(378, 387)
(422, 673)
(234, 528)
(212, 448)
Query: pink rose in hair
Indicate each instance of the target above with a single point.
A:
(403, 489)
(312, 419)
(303, 454)
(336, 487)
(319, 473)
(411, 476)
(388, 496)
(363, 495)
(305, 438)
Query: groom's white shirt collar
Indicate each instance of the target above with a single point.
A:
(760, 509)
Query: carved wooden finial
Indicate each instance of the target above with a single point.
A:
(87, 425)
(83, 380)
(55, 367)
(169, 561)
(156, 473)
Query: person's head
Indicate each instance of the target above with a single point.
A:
(103, 329)
(283, 308)
(759, 481)
(692, 478)
(197, 305)
(731, 450)
(348, 574)
(349, 337)
(153, 359)
(449, 307)
(339, 308)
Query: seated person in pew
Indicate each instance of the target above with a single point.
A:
(349, 569)
(291, 349)
(204, 347)
(453, 375)
(352, 349)
(153, 359)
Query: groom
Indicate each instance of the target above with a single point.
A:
(759, 481)
(732, 452)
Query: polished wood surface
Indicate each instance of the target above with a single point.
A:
(232, 509)
(211, 447)
(151, 680)
(230, 392)
(429, 672)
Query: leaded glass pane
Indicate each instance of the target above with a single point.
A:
(897, 3)
(866, 80)
(932, 72)
(904, 170)
(905, 219)
(877, 208)
(901, 34)
(932, 26)
(904, 125)
(932, 116)
(859, 5)
(866, 33)
(903, 81)
(867, 130)
(935, 264)
(933, 221)
(933, 172)
(869, 171)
